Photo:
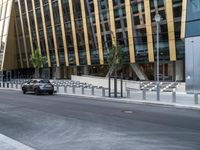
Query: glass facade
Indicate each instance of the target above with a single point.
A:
(58, 29)
(193, 18)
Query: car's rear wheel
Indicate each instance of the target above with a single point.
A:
(24, 91)
(51, 93)
(37, 91)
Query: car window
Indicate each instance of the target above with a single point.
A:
(44, 81)
(35, 81)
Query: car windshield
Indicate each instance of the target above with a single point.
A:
(44, 81)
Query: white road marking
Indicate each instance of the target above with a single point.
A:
(7, 143)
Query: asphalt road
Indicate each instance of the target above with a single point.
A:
(72, 123)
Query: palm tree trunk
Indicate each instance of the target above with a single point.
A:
(37, 72)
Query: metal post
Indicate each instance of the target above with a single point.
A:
(115, 86)
(174, 96)
(92, 90)
(103, 92)
(73, 89)
(83, 90)
(109, 86)
(196, 101)
(144, 94)
(157, 19)
(128, 93)
(57, 88)
(121, 86)
(65, 89)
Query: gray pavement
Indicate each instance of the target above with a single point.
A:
(77, 123)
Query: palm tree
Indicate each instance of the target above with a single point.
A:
(115, 62)
(37, 61)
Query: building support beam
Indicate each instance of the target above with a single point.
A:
(98, 28)
(74, 32)
(23, 34)
(18, 43)
(171, 33)
(36, 27)
(149, 30)
(54, 33)
(29, 27)
(45, 34)
(183, 19)
(130, 31)
(63, 32)
(85, 28)
(112, 22)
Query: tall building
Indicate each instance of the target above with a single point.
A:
(75, 36)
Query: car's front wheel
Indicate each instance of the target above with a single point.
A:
(51, 93)
(24, 90)
(37, 91)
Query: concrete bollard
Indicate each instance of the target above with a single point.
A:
(12, 85)
(174, 96)
(65, 89)
(196, 101)
(74, 90)
(92, 90)
(144, 95)
(16, 85)
(103, 92)
(83, 90)
(128, 93)
(57, 88)
(8, 85)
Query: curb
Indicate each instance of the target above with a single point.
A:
(127, 100)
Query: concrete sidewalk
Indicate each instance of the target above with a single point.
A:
(7, 143)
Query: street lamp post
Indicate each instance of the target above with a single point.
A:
(158, 19)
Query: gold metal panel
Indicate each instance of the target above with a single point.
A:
(149, 30)
(18, 43)
(36, 26)
(112, 22)
(23, 34)
(45, 33)
(29, 27)
(54, 33)
(74, 32)
(98, 28)
(63, 32)
(130, 31)
(171, 33)
(183, 19)
(85, 28)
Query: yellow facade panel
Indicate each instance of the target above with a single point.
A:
(54, 33)
(63, 32)
(23, 34)
(130, 31)
(45, 33)
(183, 19)
(36, 27)
(29, 27)
(98, 28)
(74, 32)
(85, 28)
(171, 33)
(112, 22)
(149, 30)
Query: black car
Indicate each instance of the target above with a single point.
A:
(38, 86)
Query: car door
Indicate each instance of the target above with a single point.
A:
(32, 85)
